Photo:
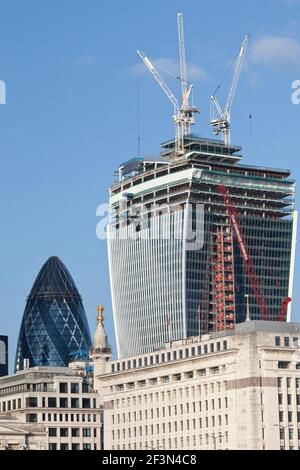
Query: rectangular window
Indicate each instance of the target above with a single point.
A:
(74, 387)
(63, 432)
(31, 402)
(52, 432)
(286, 341)
(74, 403)
(225, 345)
(52, 446)
(283, 365)
(86, 432)
(63, 403)
(75, 447)
(277, 340)
(63, 387)
(75, 432)
(31, 418)
(86, 446)
(85, 387)
(51, 402)
(86, 403)
(64, 447)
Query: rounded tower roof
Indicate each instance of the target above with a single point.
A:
(54, 328)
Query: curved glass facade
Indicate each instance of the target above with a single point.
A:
(54, 327)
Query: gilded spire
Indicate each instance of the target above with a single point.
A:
(100, 317)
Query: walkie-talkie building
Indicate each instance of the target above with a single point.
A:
(54, 327)
(179, 267)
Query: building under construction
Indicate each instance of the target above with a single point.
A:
(165, 288)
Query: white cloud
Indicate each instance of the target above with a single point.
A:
(84, 59)
(276, 51)
(171, 66)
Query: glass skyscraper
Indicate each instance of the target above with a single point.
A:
(166, 285)
(54, 327)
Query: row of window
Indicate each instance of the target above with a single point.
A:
(192, 392)
(51, 402)
(165, 428)
(288, 381)
(287, 341)
(172, 410)
(214, 441)
(289, 399)
(170, 356)
(176, 426)
(168, 379)
(74, 432)
(74, 446)
(46, 387)
(62, 402)
(60, 417)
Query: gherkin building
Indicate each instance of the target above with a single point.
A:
(54, 329)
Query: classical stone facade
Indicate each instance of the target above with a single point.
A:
(15, 435)
(234, 390)
(60, 399)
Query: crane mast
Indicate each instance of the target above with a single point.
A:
(219, 119)
(247, 259)
(183, 115)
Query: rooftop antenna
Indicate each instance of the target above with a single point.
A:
(219, 119)
(183, 116)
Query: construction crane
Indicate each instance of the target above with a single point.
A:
(183, 115)
(247, 260)
(282, 316)
(219, 119)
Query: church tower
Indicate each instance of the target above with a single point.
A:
(100, 352)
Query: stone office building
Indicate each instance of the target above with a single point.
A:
(229, 390)
(61, 399)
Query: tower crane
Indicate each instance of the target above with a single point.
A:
(247, 259)
(221, 119)
(183, 115)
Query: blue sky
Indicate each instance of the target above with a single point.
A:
(70, 68)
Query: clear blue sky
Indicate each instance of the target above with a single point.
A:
(70, 117)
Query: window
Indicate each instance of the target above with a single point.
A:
(31, 402)
(86, 403)
(63, 403)
(31, 418)
(286, 341)
(86, 432)
(277, 340)
(63, 387)
(75, 447)
(75, 432)
(52, 432)
(52, 446)
(85, 387)
(51, 402)
(74, 403)
(283, 365)
(74, 387)
(64, 447)
(86, 446)
(225, 345)
(64, 432)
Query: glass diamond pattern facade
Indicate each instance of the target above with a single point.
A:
(54, 327)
